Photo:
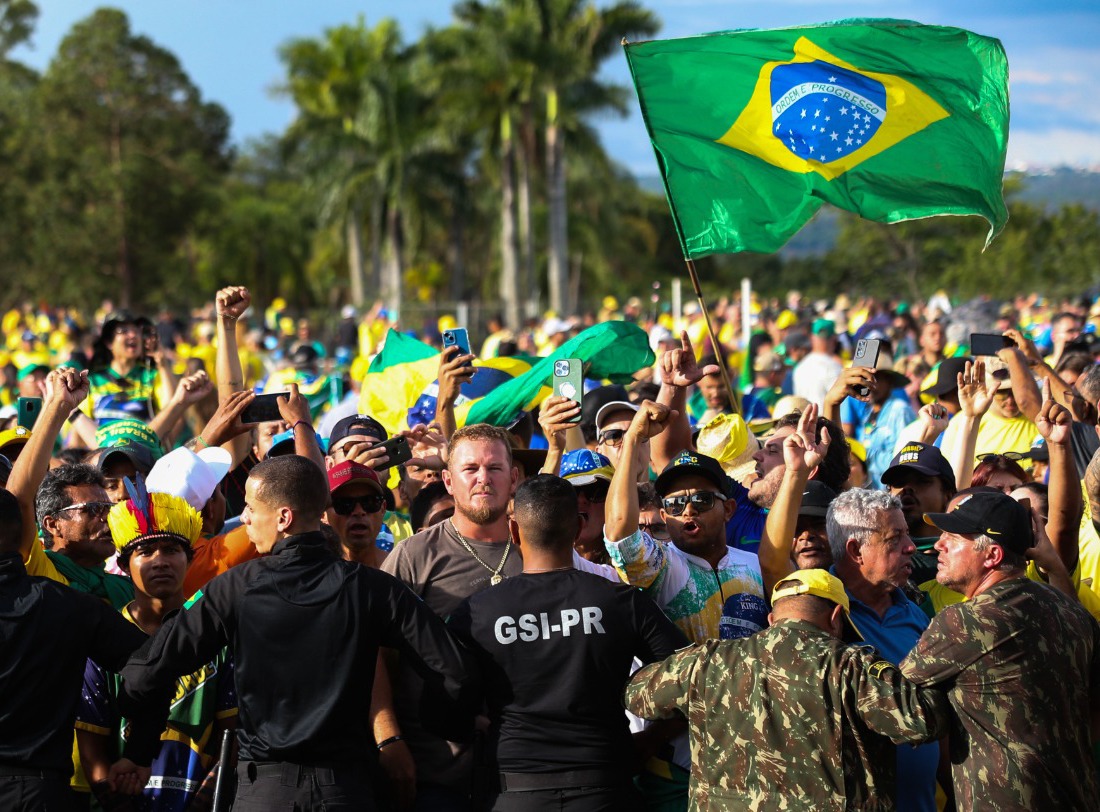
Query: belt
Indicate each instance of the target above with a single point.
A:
(15, 771)
(290, 773)
(526, 782)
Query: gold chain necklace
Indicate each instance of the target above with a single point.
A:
(496, 577)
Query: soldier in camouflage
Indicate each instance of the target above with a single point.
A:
(791, 718)
(1020, 663)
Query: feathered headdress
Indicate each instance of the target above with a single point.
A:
(147, 516)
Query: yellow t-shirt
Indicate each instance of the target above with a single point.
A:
(995, 435)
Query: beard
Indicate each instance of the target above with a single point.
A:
(483, 515)
(763, 491)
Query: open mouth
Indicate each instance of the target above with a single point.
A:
(691, 527)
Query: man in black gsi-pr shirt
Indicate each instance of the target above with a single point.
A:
(556, 646)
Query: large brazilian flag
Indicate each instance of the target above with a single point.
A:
(755, 130)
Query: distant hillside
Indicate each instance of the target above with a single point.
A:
(1050, 189)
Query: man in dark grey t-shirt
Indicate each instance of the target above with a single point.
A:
(444, 565)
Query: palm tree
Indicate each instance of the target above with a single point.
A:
(575, 39)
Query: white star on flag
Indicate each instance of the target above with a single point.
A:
(833, 136)
(844, 111)
(803, 113)
(832, 78)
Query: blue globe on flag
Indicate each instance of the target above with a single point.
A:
(823, 112)
(484, 381)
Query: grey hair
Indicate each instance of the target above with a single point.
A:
(53, 494)
(1010, 560)
(855, 515)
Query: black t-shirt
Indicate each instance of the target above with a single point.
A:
(1085, 444)
(555, 650)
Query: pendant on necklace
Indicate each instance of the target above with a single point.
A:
(496, 579)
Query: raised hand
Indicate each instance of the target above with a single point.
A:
(846, 384)
(679, 368)
(193, 388)
(555, 416)
(650, 420)
(232, 302)
(66, 388)
(1054, 420)
(801, 450)
(225, 423)
(975, 396)
(294, 408)
(934, 419)
(455, 369)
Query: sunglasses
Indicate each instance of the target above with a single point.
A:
(595, 493)
(1015, 456)
(656, 530)
(97, 510)
(614, 437)
(702, 501)
(345, 505)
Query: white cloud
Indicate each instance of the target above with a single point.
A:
(1053, 147)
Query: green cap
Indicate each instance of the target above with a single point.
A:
(128, 431)
(823, 327)
(30, 369)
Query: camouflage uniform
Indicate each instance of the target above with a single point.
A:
(789, 719)
(1021, 665)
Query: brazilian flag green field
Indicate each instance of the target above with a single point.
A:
(755, 130)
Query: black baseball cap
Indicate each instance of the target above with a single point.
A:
(356, 424)
(692, 462)
(922, 458)
(816, 499)
(1038, 451)
(947, 376)
(997, 515)
(141, 457)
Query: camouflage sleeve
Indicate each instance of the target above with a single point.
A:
(891, 705)
(945, 649)
(661, 690)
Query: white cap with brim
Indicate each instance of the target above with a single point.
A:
(614, 406)
(191, 476)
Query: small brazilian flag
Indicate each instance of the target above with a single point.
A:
(755, 130)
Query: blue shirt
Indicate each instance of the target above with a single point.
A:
(746, 525)
(894, 635)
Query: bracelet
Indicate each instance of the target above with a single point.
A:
(301, 423)
(198, 438)
(390, 740)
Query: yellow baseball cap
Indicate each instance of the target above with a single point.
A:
(820, 583)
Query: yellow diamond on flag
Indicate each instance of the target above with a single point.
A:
(818, 113)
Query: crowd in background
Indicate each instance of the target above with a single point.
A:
(877, 538)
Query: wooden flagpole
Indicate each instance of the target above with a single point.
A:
(735, 401)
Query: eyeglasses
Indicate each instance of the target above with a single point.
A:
(345, 505)
(596, 493)
(702, 501)
(95, 509)
(1015, 456)
(657, 530)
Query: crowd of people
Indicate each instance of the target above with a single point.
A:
(841, 555)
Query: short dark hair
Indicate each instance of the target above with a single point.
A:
(545, 508)
(647, 496)
(834, 469)
(11, 522)
(292, 481)
(71, 456)
(52, 494)
(428, 496)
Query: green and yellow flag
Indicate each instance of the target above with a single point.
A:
(755, 130)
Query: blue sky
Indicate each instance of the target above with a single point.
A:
(228, 47)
